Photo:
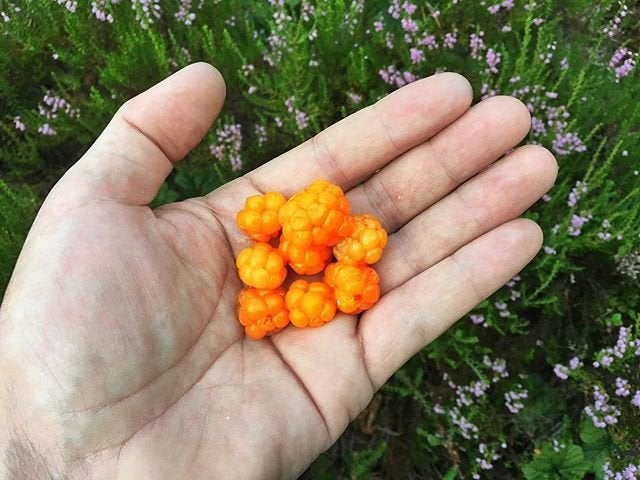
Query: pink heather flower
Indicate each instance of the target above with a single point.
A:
(394, 9)
(308, 11)
(146, 11)
(601, 412)
(228, 145)
(392, 76)
(614, 26)
(289, 102)
(53, 104)
(575, 363)
(565, 143)
(621, 344)
(502, 308)
(561, 371)
(498, 366)
(410, 8)
(606, 361)
(576, 193)
(388, 39)
(409, 25)
(302, 120)
(549, 250)
(538, 126)
(354, 97)
(17, 122)
(428, 41)
(476, 44)
(417, 55)
(467, 429)
(635, 401)
(624, 69)
(546, 198)
(618, 56)
(506, 28)
(247, 69)
(514, 281)
(477, 319)
(280, 17)
(378, 26)
(184, 13)
(508, 4)
(46, 129)
(486, 92)
(514, 397)
(261, 134)
(538, 21)
(409, 77)
(450, 39)
(493, 9)
(622, 387)
(70, 5)
(493, 59)
(436, 14)
(99, 10)
(577, 222)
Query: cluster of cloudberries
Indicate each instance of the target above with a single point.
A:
(312, 232)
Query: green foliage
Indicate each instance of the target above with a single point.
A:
(17, 209)
(294, 69)
(568, 463)
(364, 461)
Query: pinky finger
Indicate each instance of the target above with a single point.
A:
(416, 313)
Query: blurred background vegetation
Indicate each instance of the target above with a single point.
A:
(540, 381)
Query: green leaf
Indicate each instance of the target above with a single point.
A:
(568, 463)
(615, 320)
(451, 474)
(364, 461)
(589, 433)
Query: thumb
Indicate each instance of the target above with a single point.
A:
(135, 153)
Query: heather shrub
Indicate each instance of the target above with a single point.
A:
(541, 380)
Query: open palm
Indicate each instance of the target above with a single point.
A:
(120, 352)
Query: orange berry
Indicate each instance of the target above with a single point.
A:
(365, 244)
(261, 266)
(310, 304)
(262, 312)
(318, 216)
(356, 287)
(259, 218)
(305, 261)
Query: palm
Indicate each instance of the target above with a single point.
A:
(157, 378)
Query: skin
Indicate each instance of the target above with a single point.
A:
(120, 352)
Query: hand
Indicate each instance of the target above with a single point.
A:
(120, 352)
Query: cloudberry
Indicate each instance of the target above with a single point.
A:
(310, 304)
(319, 215)
(365, 244)
(259, 218)
(261, 266)
(305, 261)
(262, 312)
(356, 287)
